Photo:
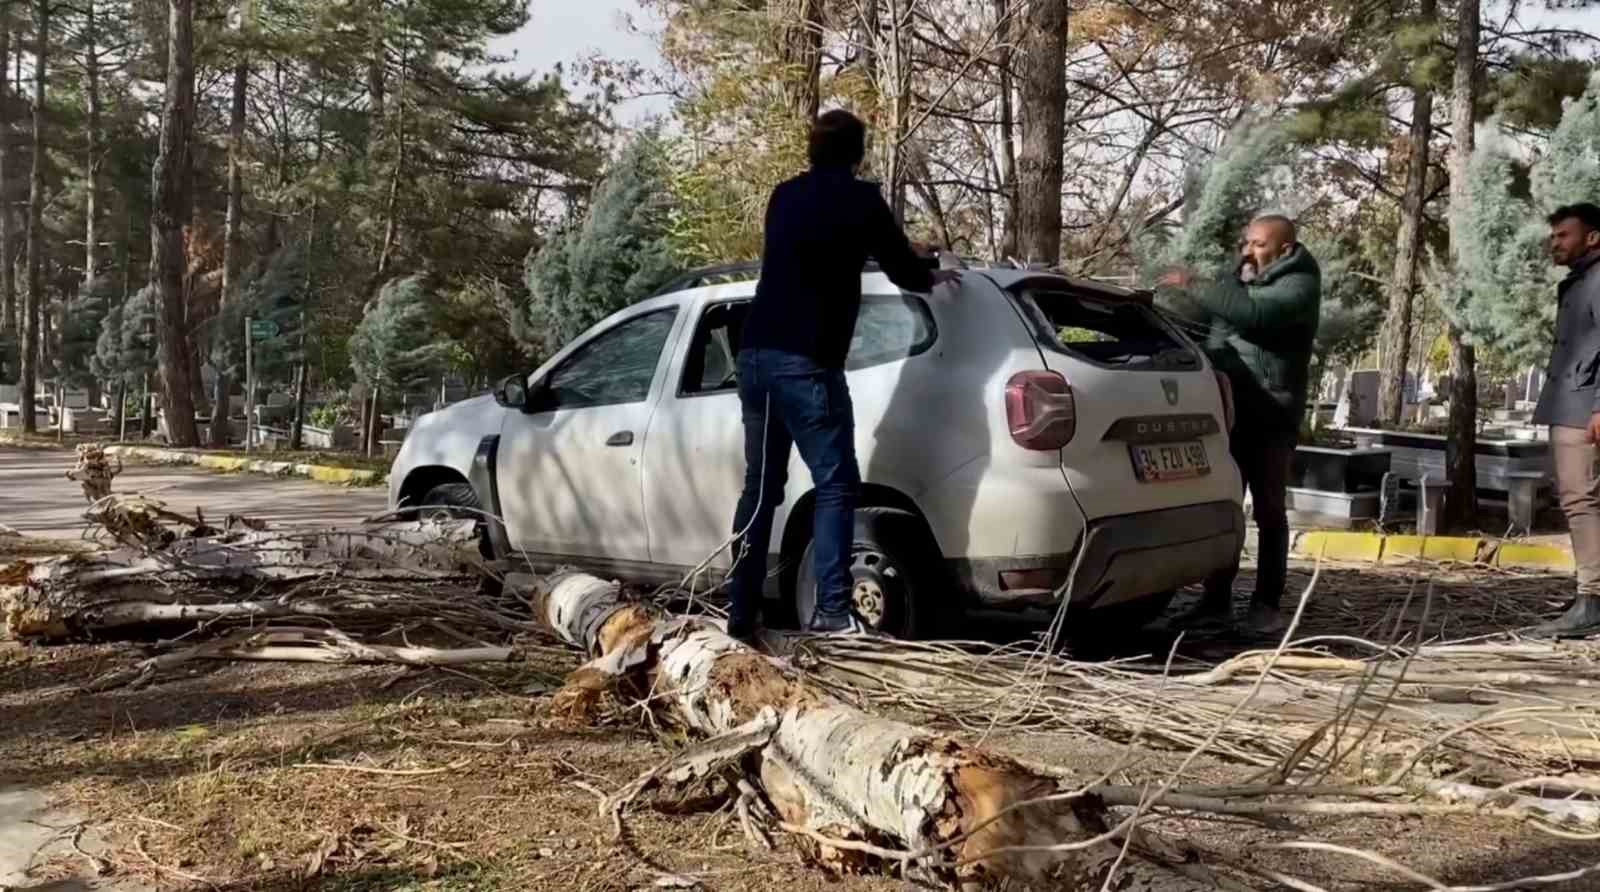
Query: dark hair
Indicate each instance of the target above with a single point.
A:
(838, 139)
(1584, 212)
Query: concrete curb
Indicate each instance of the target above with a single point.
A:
(1378, 548)
(323, 473)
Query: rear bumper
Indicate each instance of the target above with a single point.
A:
(1119, 559)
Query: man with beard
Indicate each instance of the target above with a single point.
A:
(1570, 404)
(1263, 316)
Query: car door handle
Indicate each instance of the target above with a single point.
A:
(620, 438)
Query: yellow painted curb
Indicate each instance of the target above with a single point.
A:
(1434, 548)
(329, 474)
(227, 463)
(1549, 557)
(1340, 546)
(222, 463)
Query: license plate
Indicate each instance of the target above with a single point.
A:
(1160, 462)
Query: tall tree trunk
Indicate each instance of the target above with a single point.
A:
(91, 167)
(374, 422)
(1461, 466)
(1395, 348)
(1008, 129)
(1043, 47)
(894, 72)
(377, 91)
(122, 409)
(391, 230)
(172, 209)
(233, 237)
(34, 300)
(302, 372)
(8, 282)
(799, 33)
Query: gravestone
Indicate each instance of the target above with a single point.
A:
(1358, 405)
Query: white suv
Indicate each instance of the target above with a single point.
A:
(1022, 436)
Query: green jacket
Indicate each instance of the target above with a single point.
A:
(1261, 337)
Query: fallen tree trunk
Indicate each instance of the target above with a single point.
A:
(854, 784)
(239, 575)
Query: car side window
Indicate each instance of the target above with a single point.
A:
(614, 368)
(711, 366)
(890, 327)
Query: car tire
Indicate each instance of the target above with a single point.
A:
(896, 568)
(449, 500)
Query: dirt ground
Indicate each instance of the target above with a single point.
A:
(279, 777)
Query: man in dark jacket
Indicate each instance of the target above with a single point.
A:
(1263, 319)
(1570, 404)
(820, 229)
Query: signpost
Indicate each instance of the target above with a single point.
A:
(254, 329)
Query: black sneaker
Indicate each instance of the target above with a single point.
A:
(846, 624)
(1581, 620)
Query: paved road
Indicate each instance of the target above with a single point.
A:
(36, 498)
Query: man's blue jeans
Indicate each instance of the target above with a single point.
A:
(788, 400)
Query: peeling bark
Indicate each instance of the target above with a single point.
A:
(836, 772)
(244, 573)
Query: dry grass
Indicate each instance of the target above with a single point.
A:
(447, 780)
(204, 774)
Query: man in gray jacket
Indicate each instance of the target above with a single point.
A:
(1570, 404)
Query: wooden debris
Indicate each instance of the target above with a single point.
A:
(861, 787)
(94, 472)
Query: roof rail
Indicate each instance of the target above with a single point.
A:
(695, 278)
(743, 271)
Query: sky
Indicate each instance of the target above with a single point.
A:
(566, 31)
(569, 30)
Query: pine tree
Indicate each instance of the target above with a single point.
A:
(619, 253)
(125, 349)
(1499, 289)
(1223, 193)
(1571, 171)
(84, 322)
(1352, 303)
(173, 207)
(273, 290)
(395, 347)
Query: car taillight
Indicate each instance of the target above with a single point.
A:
(1040, 410)
(1226, 388)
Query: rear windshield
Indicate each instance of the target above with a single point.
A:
(1109, 331)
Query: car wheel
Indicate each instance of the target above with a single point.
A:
(453, 501)
(450, 500)
(894, 567)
